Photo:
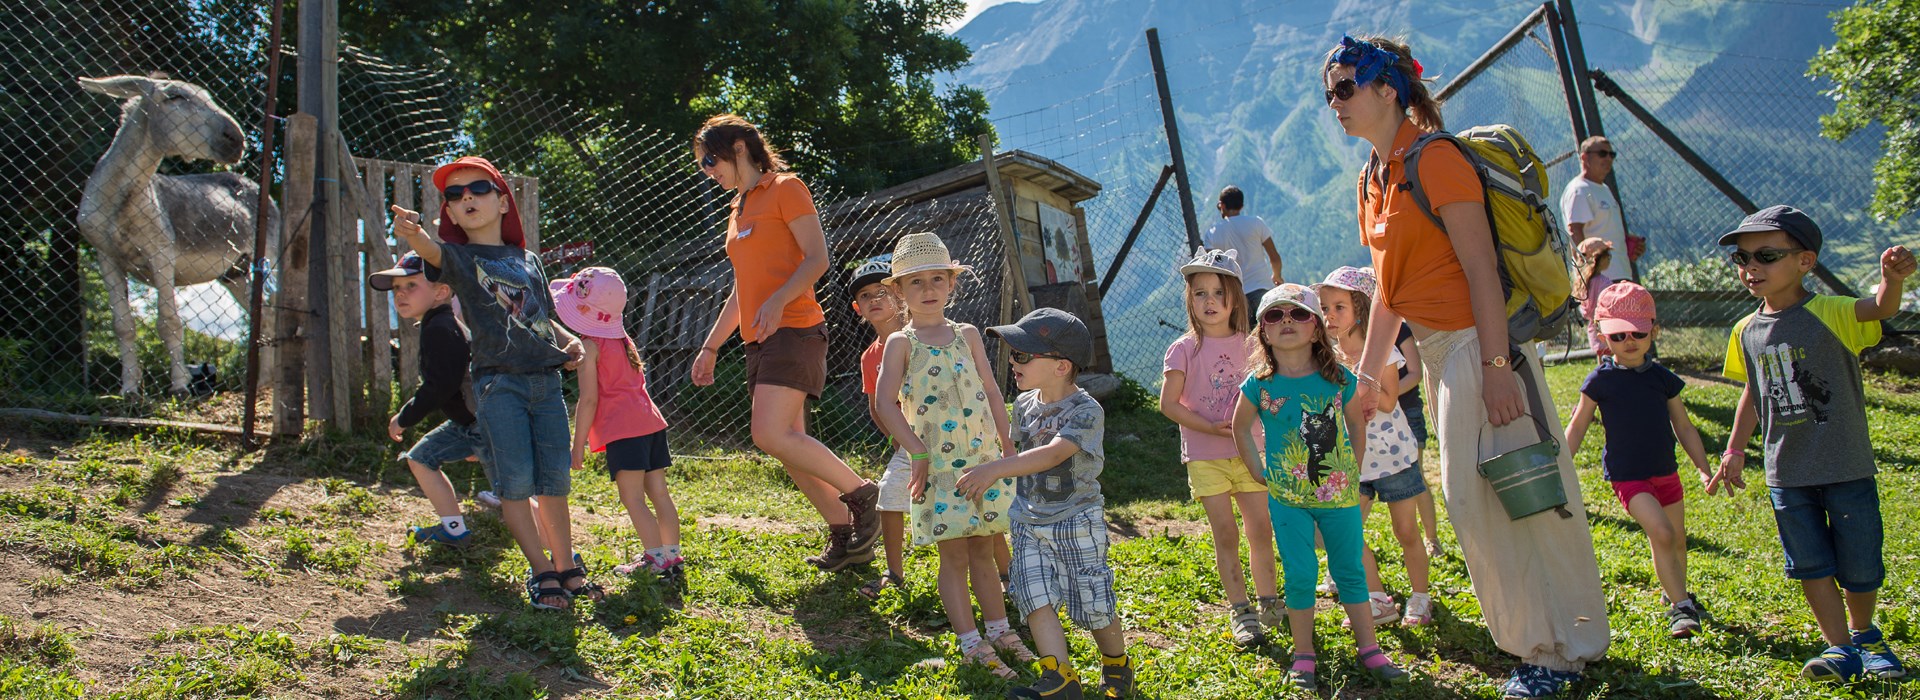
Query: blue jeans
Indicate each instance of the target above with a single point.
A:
(1832, 530)
(1300, 566)
(523, 421)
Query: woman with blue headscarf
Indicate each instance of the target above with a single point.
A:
(1537, 580)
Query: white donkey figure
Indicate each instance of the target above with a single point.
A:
(169, 231)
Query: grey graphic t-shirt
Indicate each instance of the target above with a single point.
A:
(1071, 486)
(503, 296)
(1803, 365)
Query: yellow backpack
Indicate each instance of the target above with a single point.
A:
(1533, 262)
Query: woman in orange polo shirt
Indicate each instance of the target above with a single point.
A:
(779, 251)
(1537, 579)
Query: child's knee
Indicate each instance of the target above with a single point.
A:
(1406, 529)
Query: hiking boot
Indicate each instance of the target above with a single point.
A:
(1054, 683)
(1878, 658)
(861, 504)
(839, 553)
(1116, 677)
(438, 536)
(1683, 620)
(1836, 664)
(1530, 681)
(1246, 626)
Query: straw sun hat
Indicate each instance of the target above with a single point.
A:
(920, 252)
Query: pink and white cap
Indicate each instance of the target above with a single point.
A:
(1624, 307)
(1352, 279)
(591, 302)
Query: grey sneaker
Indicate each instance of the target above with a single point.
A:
(1683, 620)
(839, 555)
(1246, 626)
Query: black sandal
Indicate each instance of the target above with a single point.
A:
(587, 588)
(535, 591)
(871, 591)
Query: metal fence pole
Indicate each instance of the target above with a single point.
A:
(1173, 140)
(1146, 210)
(260, 260)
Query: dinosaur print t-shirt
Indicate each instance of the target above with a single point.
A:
(1802, 364)
(504, 299)
(1310, 462)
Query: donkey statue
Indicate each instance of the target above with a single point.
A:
(169, 231)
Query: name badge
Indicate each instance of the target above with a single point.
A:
(1380, 227)
(744, 233)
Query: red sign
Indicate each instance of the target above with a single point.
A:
(567, 254)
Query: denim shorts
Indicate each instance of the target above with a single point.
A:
(1396, 487)
(523, 424)
(447, 442)
(1832, 530)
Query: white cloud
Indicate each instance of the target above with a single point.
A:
(974, 8)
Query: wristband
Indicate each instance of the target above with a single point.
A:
(917, 456)
(1731, 452)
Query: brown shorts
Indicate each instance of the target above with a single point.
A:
(792, 357)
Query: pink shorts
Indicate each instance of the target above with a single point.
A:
(1665, 489)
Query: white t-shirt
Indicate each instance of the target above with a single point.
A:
(1245, 234)
(1390, 445)
(1591, 203)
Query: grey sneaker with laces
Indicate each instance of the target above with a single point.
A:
(1246, 626)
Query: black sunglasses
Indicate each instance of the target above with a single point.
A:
(1764, 256)
(709, 161)
(1021, 358)
(1608, 154)
(477, 188)
(1342, 89)
(1621, 337)
(1273, 315)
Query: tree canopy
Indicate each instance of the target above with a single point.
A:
(843, 86)
(1875, 70)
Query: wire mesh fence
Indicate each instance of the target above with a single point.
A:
(1777, 157)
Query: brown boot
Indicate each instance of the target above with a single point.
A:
(861, 503)
(838, 555)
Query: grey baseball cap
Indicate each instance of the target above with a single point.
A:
(1779, 217)
(1049, 331)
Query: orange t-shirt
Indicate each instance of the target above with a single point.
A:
(870, 365)
(1420, 275)
(764, 255)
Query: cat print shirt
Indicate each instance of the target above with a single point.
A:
(1310, 463)
(504, 300)
(1803, 365)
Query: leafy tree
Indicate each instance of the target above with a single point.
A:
(844, 85)
(1875, 70)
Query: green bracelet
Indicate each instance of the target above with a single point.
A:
(919, 456)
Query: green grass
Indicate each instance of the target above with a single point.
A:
(154, 516)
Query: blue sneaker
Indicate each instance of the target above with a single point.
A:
(1836, 664)
(438, 535)
(1530, 681)
(1878, 657)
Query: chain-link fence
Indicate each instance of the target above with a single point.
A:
(123, 131)
(1776, 156)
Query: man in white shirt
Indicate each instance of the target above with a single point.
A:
(1587, 205)
(1252, 243)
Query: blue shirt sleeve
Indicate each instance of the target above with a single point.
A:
(1670, 384)
(1593, 385)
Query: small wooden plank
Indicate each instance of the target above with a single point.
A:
(289, 387)
(405, 185)
(116, 422)
(379, 305)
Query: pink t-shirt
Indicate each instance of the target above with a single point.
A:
(1214, 369)
(625, 409)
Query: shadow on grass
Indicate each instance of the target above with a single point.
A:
(1694, 543)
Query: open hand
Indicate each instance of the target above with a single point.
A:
(767, 320)
(975, 481)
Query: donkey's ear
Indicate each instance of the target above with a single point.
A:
(120, 86)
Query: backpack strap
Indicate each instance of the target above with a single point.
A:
(1412, 160)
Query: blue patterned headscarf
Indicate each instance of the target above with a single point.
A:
(1372, 63)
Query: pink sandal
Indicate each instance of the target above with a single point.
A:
(1012, 644)
(984, 655)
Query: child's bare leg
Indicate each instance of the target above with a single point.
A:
(985, 578)
(1049, 638)
(1111, 639)
(519, 517)
(1002, 555)
(556, 523)
(1301, 622)
(893, 527)
(1677, 515)
(437, 488)
(1362, 616)
(1226, 546)
(1860, 608)
(1424, 502)
(1406, 529)
(664, 511)
(1661, 538)
(1367, 562)
(1259, 528)
(779, 429)
(1829, 610)
(632, 486)
(954, 567)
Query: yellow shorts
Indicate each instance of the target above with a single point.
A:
(1212, 477)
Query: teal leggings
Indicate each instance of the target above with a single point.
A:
(1293, 536)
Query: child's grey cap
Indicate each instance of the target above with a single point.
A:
(1049, 331)
(1779, 217)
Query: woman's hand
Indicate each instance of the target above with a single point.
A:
(1501, 392)
(767, 319)
(1364, 395)
(393, 428)
(703, 366)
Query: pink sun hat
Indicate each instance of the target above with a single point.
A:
(591, 302)
(1624, 307)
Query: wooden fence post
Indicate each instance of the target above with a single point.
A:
(289, 387)
(1013, 278)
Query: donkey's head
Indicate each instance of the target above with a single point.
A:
(181, 119)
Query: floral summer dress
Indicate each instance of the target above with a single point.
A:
(947, 406)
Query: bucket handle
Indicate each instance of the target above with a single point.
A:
(1535, 410)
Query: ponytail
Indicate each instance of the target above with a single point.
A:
(633, 356)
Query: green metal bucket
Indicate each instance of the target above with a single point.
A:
(1528, 480)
